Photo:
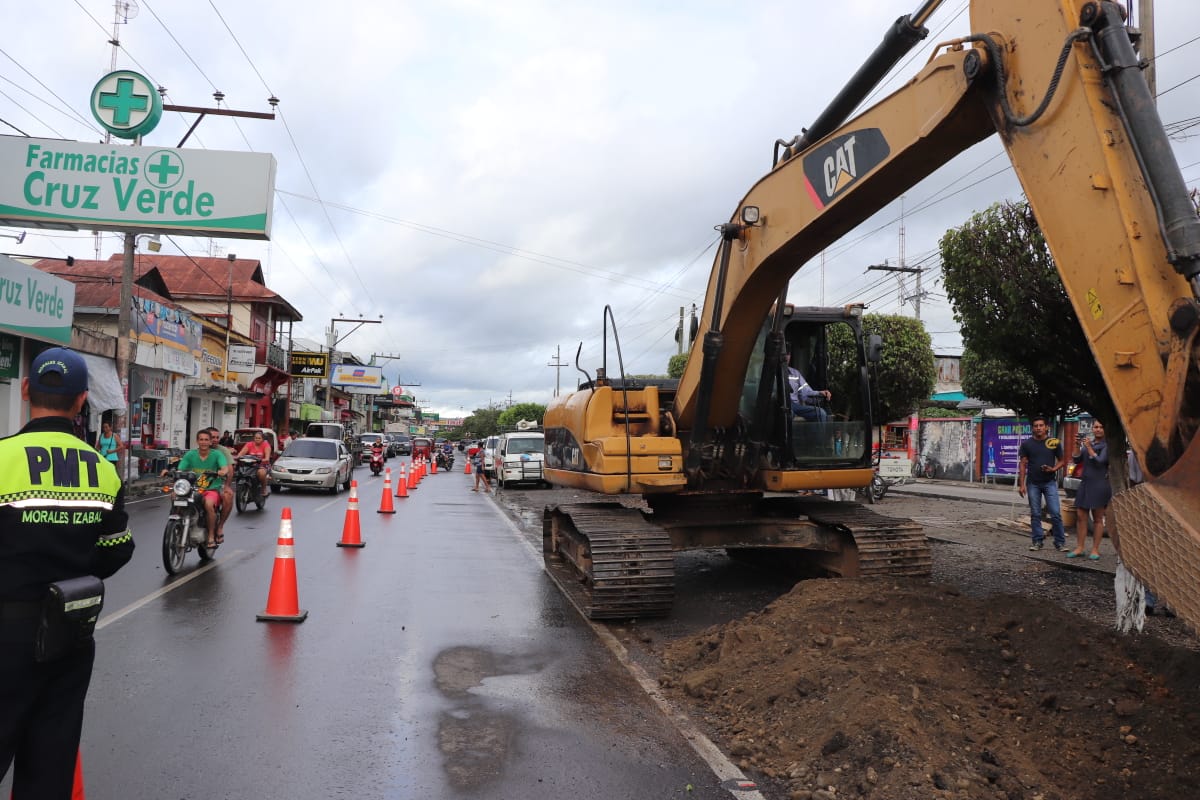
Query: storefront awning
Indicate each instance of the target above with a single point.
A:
(104, 387)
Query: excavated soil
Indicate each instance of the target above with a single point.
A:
(880, 689)
(1002, 678)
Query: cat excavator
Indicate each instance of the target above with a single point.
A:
(722, 459)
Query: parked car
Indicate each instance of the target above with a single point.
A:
(312, 463)
(518, 458)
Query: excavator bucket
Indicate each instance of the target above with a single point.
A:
(1158, 524)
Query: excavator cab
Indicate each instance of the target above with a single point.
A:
(823, 350)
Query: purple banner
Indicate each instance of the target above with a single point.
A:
(1001, 442)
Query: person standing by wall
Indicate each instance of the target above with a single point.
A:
(1094, 493)
(1041, 457)
(55, 525)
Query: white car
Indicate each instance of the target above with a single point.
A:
(489, 455)
(311, 463)
(519, 457)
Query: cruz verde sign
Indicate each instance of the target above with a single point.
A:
(51, 183)
(34, 303)
(126, 104)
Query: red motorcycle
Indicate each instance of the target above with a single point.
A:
(376, 460)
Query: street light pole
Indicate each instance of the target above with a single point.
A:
(124, 329)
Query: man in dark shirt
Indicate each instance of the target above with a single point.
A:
(1041, 457)
(62, 516)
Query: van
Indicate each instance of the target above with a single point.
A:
(335, 430)
(518, 458)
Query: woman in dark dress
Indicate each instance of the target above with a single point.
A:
(1094, 493)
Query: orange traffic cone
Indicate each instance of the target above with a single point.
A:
(385, 503)
(402, 484)
(467, 467)
(351, 532)
(413, 477)
(283, 603)
(433, 466)
(77, 787)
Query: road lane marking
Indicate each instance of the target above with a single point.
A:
(136, 604)
(726, 771)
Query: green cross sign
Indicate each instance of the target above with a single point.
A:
(126, 104)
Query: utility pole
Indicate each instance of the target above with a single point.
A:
(679, 334)
(558, 363)
(371, 410)
(1146, 49)
(332, 340)
(885, 268)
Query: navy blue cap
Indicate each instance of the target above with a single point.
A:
(69, 368)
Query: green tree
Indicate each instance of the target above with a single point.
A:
(676, 364)
(527, 411)
(481, 423)
(1023, 346)
(903, 379)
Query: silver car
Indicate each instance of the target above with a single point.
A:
(313, 464)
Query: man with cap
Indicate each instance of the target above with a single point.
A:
(62, 516)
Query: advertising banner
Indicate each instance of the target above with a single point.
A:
(52, 183)
(1001, 442)
(241, 358)
(309, 365)
(352, 377)
(33, 303)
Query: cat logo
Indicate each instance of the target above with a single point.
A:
(834, 167)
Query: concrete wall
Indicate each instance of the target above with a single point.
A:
(947, 448)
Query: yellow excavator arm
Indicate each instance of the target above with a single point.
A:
(1060, 82)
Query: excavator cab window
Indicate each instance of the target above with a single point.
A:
(828, 352)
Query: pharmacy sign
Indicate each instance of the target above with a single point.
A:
(126, 104)
(51, 183)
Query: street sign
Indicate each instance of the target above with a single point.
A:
(126, 104)
(309, 365)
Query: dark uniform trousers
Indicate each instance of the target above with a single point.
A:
(41, 705)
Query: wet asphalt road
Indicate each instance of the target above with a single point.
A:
(438, 661)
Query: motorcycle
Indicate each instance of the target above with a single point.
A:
(445, 461)
(376, 461)
(187, 525)
(246, 488)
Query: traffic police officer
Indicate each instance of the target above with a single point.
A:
(62, 516)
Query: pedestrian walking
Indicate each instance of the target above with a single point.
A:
(63, 528)
(1041, 457)
(1095, 491)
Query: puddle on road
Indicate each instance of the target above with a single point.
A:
(475, 740)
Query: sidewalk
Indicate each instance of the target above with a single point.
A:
(998, 494)
(1015, 540)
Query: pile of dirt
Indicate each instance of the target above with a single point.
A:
(880, 689)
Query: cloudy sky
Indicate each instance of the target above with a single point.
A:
(488, 176)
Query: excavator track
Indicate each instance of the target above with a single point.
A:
(887, 546)
(610, 560)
